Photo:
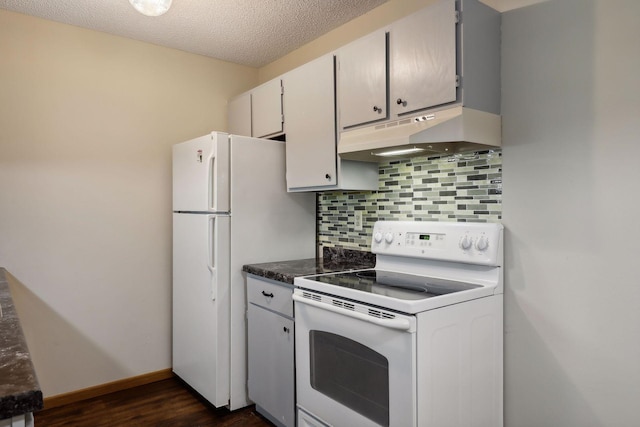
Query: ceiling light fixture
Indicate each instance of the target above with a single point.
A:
(151, 7)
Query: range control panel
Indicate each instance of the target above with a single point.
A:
(425, 240)
(477, 243)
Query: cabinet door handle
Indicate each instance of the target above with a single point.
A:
(402, 102)
(328, 177)
(268, 295)
(285, 329)
(377, 109)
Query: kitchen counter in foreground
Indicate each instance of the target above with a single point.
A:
(333, 260)
(20, 392)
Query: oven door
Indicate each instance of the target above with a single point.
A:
(355, 364)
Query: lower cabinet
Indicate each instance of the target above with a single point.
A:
(271, 380)
(24, 420)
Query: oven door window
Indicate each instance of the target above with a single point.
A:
(351, 374)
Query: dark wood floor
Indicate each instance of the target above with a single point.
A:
(163, 403)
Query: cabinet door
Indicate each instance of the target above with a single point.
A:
(239, 114)
(362, 80)
(266, 109)
(422, 59)
(309, 105)
(271, 365)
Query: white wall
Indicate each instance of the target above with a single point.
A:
(571, 129)
(87, 121)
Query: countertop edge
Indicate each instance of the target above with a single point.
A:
(24, 394)
(334, 259)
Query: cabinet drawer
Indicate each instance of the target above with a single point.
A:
(270, 295)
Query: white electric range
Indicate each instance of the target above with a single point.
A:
(415, 341)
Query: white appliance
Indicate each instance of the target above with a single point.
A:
(416, 341)
(230, 208)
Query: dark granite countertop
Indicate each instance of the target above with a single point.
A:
(19, 389)
(333, 260)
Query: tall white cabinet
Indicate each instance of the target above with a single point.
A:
(311, 130)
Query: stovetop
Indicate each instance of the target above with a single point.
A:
(405, 293)
(421, 265)
(394, 285)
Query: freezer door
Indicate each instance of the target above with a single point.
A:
(201, 174)
(201, 303)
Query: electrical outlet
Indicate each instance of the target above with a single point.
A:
(357, 222)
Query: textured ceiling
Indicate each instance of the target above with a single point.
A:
(249, 32)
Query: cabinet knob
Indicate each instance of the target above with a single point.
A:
(377, 109)
(285, 329)
(328, 177)
(268, 295)
(402, 102)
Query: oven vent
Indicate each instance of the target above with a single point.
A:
(343, 304)
(309, 295)
(381, 314)
(346, 305)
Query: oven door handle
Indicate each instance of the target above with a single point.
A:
(397, 323)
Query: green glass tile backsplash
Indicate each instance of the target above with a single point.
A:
(461, 187)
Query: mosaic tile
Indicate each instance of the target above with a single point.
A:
(463, 188)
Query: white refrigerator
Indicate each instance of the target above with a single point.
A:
(230, 208)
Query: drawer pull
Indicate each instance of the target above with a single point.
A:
(270, 295)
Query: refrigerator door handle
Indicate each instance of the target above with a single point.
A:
(211, 258)
(212, 181)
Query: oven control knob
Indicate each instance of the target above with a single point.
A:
(482, 243)
(465, 242)
(388, 237)
(377, 236)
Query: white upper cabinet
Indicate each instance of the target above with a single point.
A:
(447, 53)
(266, 109)
(258, 112)
(422, 59)
(239, 113)
(443, 56)
(312, 160)
(311, 125)
(362, 80)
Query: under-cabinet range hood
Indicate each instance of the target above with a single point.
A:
(447, 131)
